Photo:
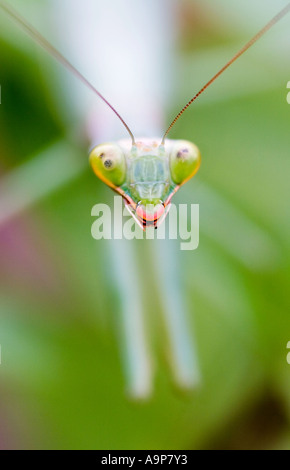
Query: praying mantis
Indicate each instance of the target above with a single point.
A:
(148, 203)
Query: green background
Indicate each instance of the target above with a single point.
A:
(61, 380)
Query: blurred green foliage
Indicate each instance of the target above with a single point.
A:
(61, 379)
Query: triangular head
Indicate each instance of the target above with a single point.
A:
(146, 174)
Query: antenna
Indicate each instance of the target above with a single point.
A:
(32, 32)
(247, 46)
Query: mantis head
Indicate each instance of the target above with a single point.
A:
(146, 174)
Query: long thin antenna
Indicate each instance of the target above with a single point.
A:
(247, 46)
(31, 31)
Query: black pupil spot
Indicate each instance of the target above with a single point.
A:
(181, 153)
(108, 163)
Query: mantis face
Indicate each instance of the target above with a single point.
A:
(146, 174)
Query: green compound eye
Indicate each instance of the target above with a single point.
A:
(184, 161)
(109, 164)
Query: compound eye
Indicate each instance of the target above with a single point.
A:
(109, 164)
(184, 161)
